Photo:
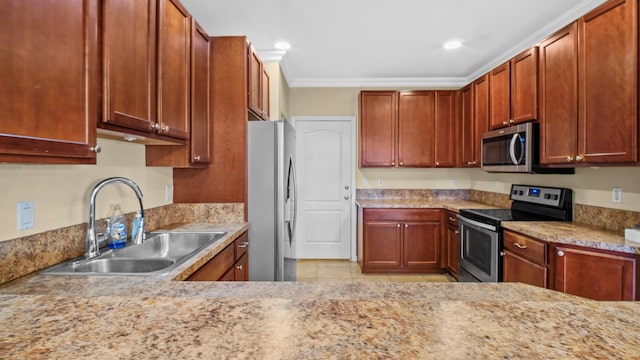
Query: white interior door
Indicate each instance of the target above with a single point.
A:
(325, 168)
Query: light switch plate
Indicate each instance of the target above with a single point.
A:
(25, 215)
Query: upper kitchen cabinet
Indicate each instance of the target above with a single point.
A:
(446, 129)
(378, 126)
(197, 151)
(474, 120)
(589, 89)
(514, 90)
(146, 51)
(258, 86)
(49, 87)
(608, 84)
(407, 128)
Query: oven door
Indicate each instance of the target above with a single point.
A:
(479, 251)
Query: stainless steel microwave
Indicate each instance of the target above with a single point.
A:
(514, 149)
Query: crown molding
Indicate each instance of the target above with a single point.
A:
(271, 55)
(440, 83)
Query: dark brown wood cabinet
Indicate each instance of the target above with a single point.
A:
(589, 96)
(452, 243)
(378, 128)
(231, 264)
(49, 88)
(197, 151)
(146, 62)
(480, 118)
(595, 274)
(257, 85)
(514, 90)
(524, 260)
(466, 119)
(407, 128)
(401, 241)
(446, 129)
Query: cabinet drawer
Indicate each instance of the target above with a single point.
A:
(402, 214)
(216, 267)
(452, 218)
(241, 245)
(527, 247)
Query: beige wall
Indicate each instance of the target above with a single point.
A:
(60, 192)
(278, 92)
(592, 186)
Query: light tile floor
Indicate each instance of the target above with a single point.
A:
(344, 270)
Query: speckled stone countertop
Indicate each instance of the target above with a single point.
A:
(574, 234)
(449, 204)
(134, 317)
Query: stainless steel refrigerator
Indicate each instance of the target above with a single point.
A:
(272, 201)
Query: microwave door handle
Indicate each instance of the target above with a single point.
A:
(512, 148)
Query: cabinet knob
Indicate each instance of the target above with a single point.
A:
(437, 163)
(96, 149)
(398, 225)
(456, 232)
(569, 158)
(401, 163)
(560, 253)
(165, 128)
(406, 226)
(579, 158)
(505, 123)
(511, 121)
(393, 163)
(155, 126)
(473, 163)
(196, 158)
(469, 163)
(239, 267)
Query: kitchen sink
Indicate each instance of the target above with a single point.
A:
(160, 253)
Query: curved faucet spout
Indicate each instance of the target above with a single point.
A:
(91, 248)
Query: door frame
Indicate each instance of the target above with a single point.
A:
(352, 199)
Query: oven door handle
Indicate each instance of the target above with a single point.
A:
(477, 223)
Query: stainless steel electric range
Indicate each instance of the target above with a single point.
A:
(481, 229)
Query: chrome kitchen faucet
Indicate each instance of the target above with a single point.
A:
(91, 248)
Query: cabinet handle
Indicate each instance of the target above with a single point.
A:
(579, 158)
(239, 267)
(519, 246)
(569, 158)
(456, 232)
(96, 149)
(560, 253)
(243, 244)
(505, 123)
(196, 158)
(511, 121)
(155, 126)
(165, 128)
(473, 163)
(451, 219)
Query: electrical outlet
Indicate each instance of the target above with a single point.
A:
(453, 183)
(365, 181)
(616, 195)
(380, 182)
(25, 215)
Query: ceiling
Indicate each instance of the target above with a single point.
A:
(387, 43)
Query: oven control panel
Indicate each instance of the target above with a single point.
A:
(538, 195)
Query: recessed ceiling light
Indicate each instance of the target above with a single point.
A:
(282, 45)
(452, 44)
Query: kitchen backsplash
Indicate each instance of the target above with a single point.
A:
(27, 254)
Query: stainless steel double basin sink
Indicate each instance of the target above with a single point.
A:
(160, 253)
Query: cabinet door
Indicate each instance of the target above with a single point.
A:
(559, 96)
(467, 126)
(446, 129)
(254, 85)
(129, 64)
(519, 269)
(216, 268)
(382, 244)
(48, 87)
(416, 128)
(421, 245)
(453, 244)
(524, 86)
(241, 268)
(481, 115)
(200, 138)
(378, 123)
(265, 95)
(595, 275)
(608, 66)
(500, 96)
(174, 64)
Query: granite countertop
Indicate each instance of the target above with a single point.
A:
(449, 204)
(135, 317)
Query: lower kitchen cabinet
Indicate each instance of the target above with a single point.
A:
(524, 260)
(401, 241)
(452, 243)
(595, 274)
(231, 264)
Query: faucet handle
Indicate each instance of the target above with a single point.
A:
(138, 237)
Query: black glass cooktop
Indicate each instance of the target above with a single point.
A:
(496, 216)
